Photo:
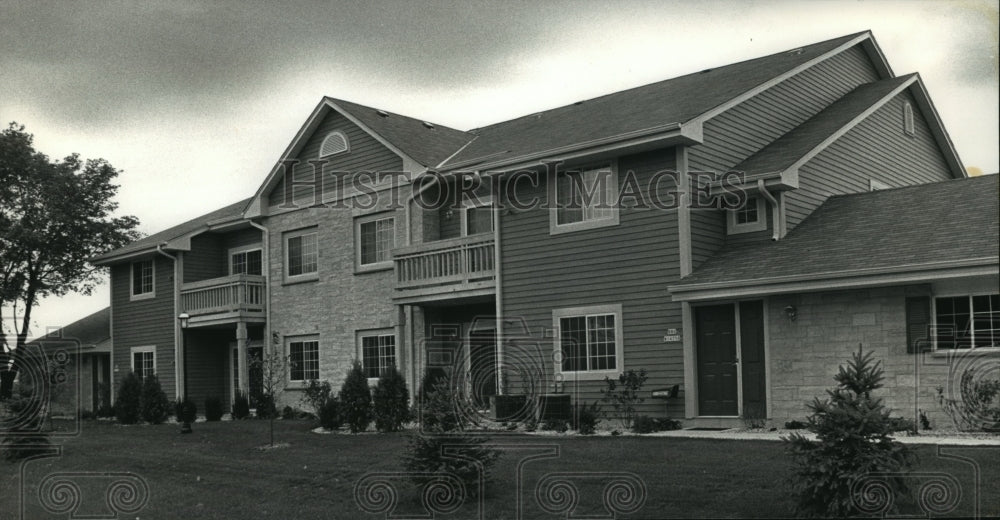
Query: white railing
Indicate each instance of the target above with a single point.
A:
(454, 261)
(239, 292)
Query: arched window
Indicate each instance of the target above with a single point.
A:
(908, 119)
(334, 143)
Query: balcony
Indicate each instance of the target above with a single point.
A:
(240, 297)
(445, 269)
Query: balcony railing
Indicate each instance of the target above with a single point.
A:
(237, 295)
(446, 265)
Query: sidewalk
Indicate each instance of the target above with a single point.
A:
(951, 439)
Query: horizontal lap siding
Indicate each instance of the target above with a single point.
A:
(877, 148)
(241, 238)
(206, 260)
(366, 155)
(741, 131)
(144, 322)
(207, 370)
(631, 264)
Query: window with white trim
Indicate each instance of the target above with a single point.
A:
(376, 236)
(588, 341)
(143, 279)
(143, 361)
(301, 253)
(378, 353)
(585, 198)
(968, 321)
(246, 262)
(303, 356)
(749, 217)
(334, 143)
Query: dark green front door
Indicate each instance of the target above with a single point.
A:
(715, 337)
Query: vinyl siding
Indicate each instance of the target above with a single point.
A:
(629, 264)
(746, 128)
(206, 260)
(877, 148)
(366, 155)
(207, 370)
(144, 322)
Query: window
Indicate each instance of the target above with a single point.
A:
(245, 262)
(752, 216)
(585, 199)
(874, 185)
(142, 279)
(376, 236)
(908, 119)
(378, 354)
(304, 359)
(589, 341)
(967, 321)
(301, 254)
(333, 144)
(477, 219)
(143, 361)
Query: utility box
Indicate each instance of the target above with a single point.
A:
(555, 407)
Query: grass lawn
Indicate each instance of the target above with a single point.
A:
(219, 472)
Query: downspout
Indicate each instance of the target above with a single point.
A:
(178, 360)
(267, 283)
(498, 279)
(775, 210)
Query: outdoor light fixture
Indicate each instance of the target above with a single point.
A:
(791, 312)
(183, 318)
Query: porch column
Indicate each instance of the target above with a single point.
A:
(241, 355)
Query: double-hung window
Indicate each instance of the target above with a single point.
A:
(376, 236)
(585, 198)
(589, 341)
(143, 361)
(378, 354)
(143, 279)
(303, 356)
(968, 321)
(301, 254)
(751, 216)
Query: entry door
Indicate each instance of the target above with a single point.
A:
(752, 359)
(715, 337)
(482, 366)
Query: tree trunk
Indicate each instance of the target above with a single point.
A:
(9, 372)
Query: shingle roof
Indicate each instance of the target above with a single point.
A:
(231, 211)
(923, 224)
(676, 100)
(426, 145)
(783, 152)
(92, 330)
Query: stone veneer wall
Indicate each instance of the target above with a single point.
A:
(805, 354)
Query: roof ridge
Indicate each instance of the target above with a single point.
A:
(996, 177)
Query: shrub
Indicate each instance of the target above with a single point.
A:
(623, 395)
(391, 402)
(555, 425)
(28, 439)
(266, 408)
(155, 407)
(666, 424)
(288, 413)
(795, 425)
(186, 411)
(316, 394)
(587, 417)
(213, 409)
(643, 424)
(443, 427)
(127, 408)
(241, 406)
(978, 405)
(853, 447)
(329, 414)
(356, 399)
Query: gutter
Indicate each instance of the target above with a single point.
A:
(178, 355)
(266, 270)
(775, 210)
(498, 293)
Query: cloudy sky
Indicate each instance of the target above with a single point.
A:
(195, 101)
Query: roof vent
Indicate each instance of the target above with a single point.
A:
(428, 125)
(578, 103)
(705, 71)
(795, 52)
(382, 113)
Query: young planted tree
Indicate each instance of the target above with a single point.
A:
(356, 399)
(54, 217)
(853, 451)
(273, 368)
(153, 402)
(391, 402)
(624, 395)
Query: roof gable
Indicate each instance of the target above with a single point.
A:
(90, 331)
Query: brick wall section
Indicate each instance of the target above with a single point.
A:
(340, 302)
(805, 354)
